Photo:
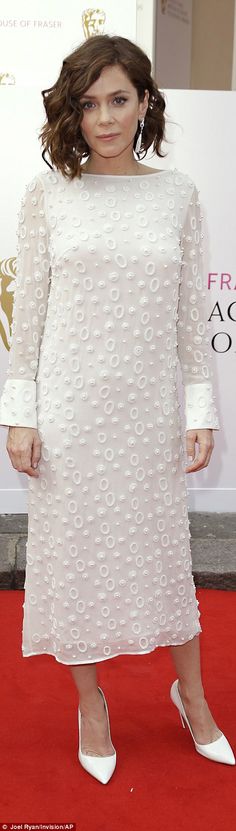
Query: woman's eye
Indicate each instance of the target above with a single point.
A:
(118, 98)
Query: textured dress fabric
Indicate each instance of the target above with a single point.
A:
(109, 298)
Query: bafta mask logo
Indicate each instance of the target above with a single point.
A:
(163, 6)
(93, 22)
(6, 78)
(7, 279)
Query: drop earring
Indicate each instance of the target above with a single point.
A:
(139, 139)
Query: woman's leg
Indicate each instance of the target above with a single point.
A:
(187, 662)
(95, 735)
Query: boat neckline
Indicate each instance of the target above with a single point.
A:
(126, 175)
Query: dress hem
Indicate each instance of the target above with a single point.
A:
(116, 655)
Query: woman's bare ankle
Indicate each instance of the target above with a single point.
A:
(192, 695)
(92, 705)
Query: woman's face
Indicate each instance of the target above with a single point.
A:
(111, 107)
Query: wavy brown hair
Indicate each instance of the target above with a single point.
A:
(61, 136)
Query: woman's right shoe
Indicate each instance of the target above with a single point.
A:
(217, 751)
(101, 767)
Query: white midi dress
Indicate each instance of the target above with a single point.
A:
(109, 296)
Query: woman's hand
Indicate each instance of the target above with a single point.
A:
(205, 440)
(24, 448)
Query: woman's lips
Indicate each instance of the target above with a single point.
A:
(108, 138)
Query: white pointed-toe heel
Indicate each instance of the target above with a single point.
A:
(101, 767)
(217, 751)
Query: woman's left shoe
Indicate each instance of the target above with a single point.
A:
(217, 751)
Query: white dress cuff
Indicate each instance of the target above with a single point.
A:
(200, 411)
(18, 403)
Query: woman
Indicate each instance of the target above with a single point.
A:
(108, 297)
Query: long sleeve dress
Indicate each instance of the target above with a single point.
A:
(109, 296)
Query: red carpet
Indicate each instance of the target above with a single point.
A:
(160, 782)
